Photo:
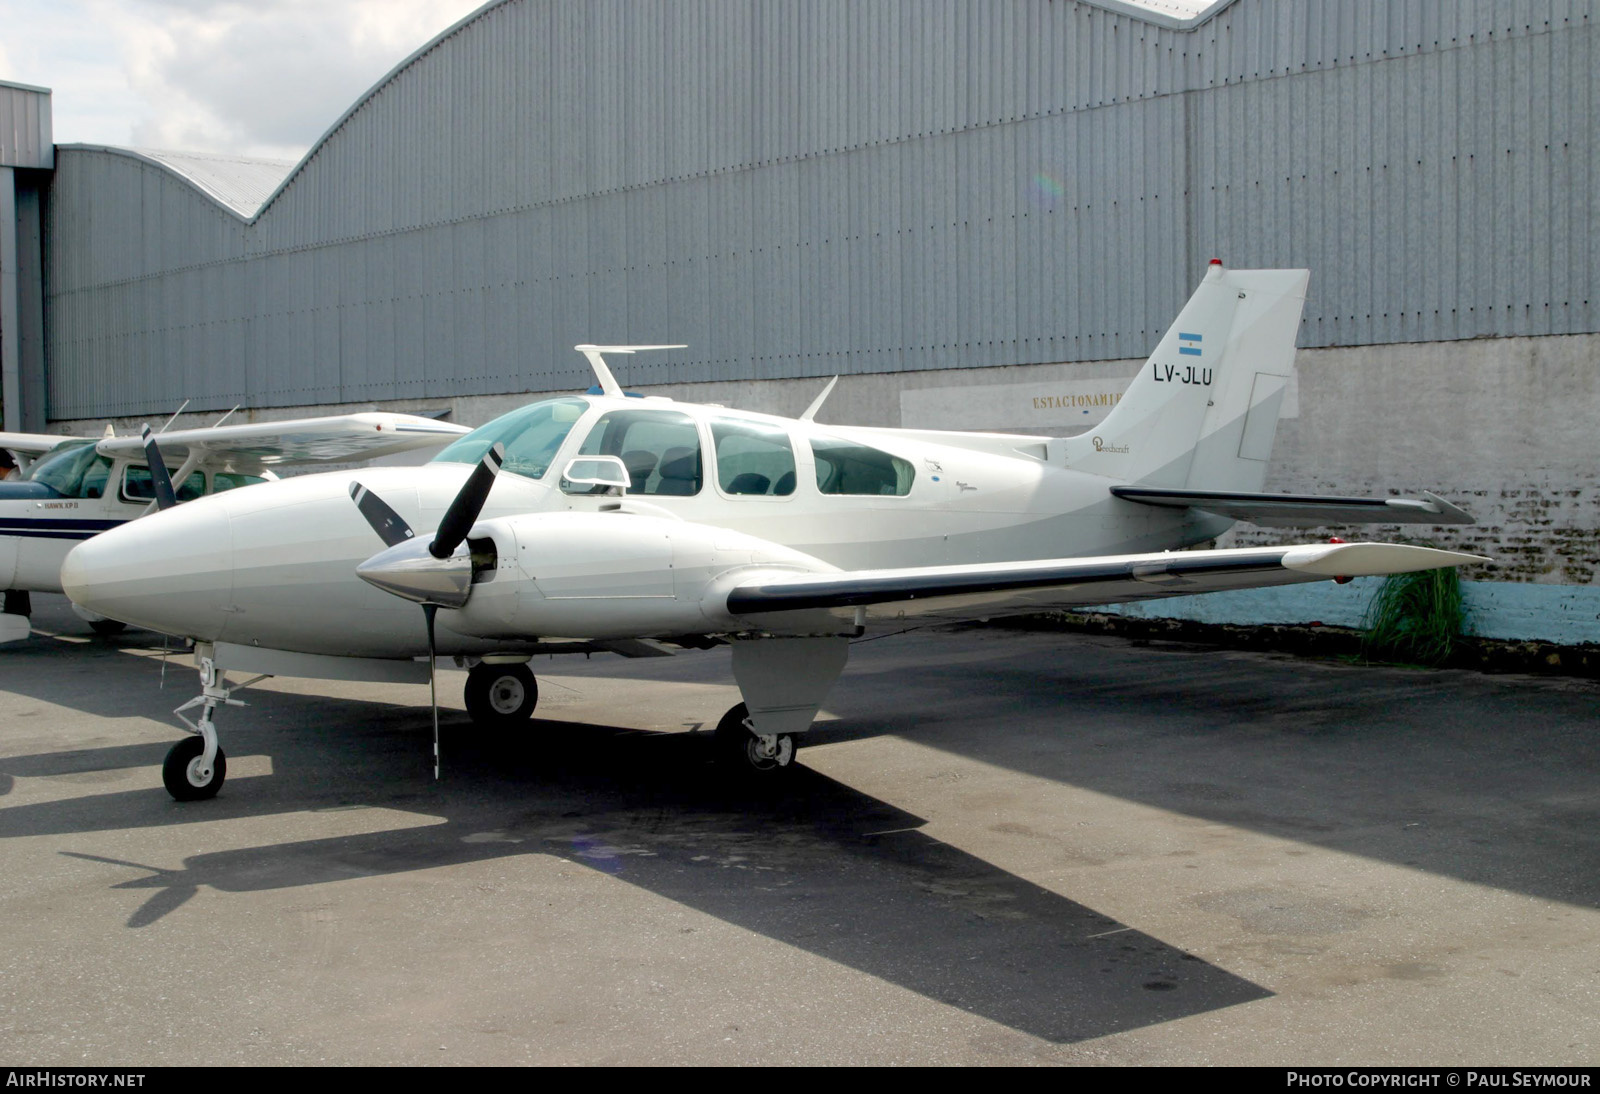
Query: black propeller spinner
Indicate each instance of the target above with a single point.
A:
(431, 574)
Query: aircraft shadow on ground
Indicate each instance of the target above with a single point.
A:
(815, 864)
(1490, 780)
(75, 674)
(1483, 778)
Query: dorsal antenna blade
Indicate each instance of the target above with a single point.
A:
(816, 404)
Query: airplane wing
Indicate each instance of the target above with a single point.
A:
(1301, 510)
(265, 445)
(988, 590)
(31, 444)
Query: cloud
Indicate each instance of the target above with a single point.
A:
(262, 78)
(60, 45)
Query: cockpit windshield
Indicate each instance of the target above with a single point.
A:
(531, 435)
(73, 469)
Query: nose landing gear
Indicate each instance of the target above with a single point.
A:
(196, 767)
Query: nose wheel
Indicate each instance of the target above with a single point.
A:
(187, 776)
(745, 751)
(501, 697)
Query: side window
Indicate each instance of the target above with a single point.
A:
(232, 480)
(138, 486)
(844, 467)
(753, 458)
(660, 449)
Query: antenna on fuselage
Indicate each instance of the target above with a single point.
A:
(816, 404)
(608, 382)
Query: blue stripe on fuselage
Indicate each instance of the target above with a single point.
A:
(49, 528)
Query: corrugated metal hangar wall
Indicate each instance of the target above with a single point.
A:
(800, 189)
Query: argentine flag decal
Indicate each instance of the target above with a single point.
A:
(1189, 344)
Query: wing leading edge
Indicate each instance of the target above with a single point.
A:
(988, 590)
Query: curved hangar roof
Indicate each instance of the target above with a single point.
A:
(237, 183)
(245, 186)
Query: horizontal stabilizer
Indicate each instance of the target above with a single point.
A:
(1301, 510)
(987, 590)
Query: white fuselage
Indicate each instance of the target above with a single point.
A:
(37, 529)
(274, 565)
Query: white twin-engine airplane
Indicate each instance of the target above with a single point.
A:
(625, 523)
(78, 487)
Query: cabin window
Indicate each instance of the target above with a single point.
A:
(532, 436)
(753, 458)
(137, 485)
(232, 480)
(660, 449)
(845, 467)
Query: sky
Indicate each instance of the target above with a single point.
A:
(260, 78)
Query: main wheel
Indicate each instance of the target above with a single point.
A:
(743, 751)
(108, 627)
(180, 771)
(501, 696)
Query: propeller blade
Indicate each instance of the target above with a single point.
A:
(428, 612)
(160, 477)
(390, 526)
(463, 512)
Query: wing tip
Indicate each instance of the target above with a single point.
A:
(1373, 559)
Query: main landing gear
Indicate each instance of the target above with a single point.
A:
(785, 680)
(744, 751)
(501, 697)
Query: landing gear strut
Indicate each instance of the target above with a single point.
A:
(744, 750)
(196, 766)
(501, 697)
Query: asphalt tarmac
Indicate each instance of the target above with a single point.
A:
(1000, 847)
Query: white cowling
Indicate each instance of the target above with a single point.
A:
(614, 575)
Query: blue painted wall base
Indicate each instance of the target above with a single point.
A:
(1568, 615)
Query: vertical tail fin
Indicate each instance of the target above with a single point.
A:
(1202, 412)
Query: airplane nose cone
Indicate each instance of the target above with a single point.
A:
(170, 572)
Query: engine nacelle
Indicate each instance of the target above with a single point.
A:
(610, 575)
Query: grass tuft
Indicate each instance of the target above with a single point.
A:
(1415, 618)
